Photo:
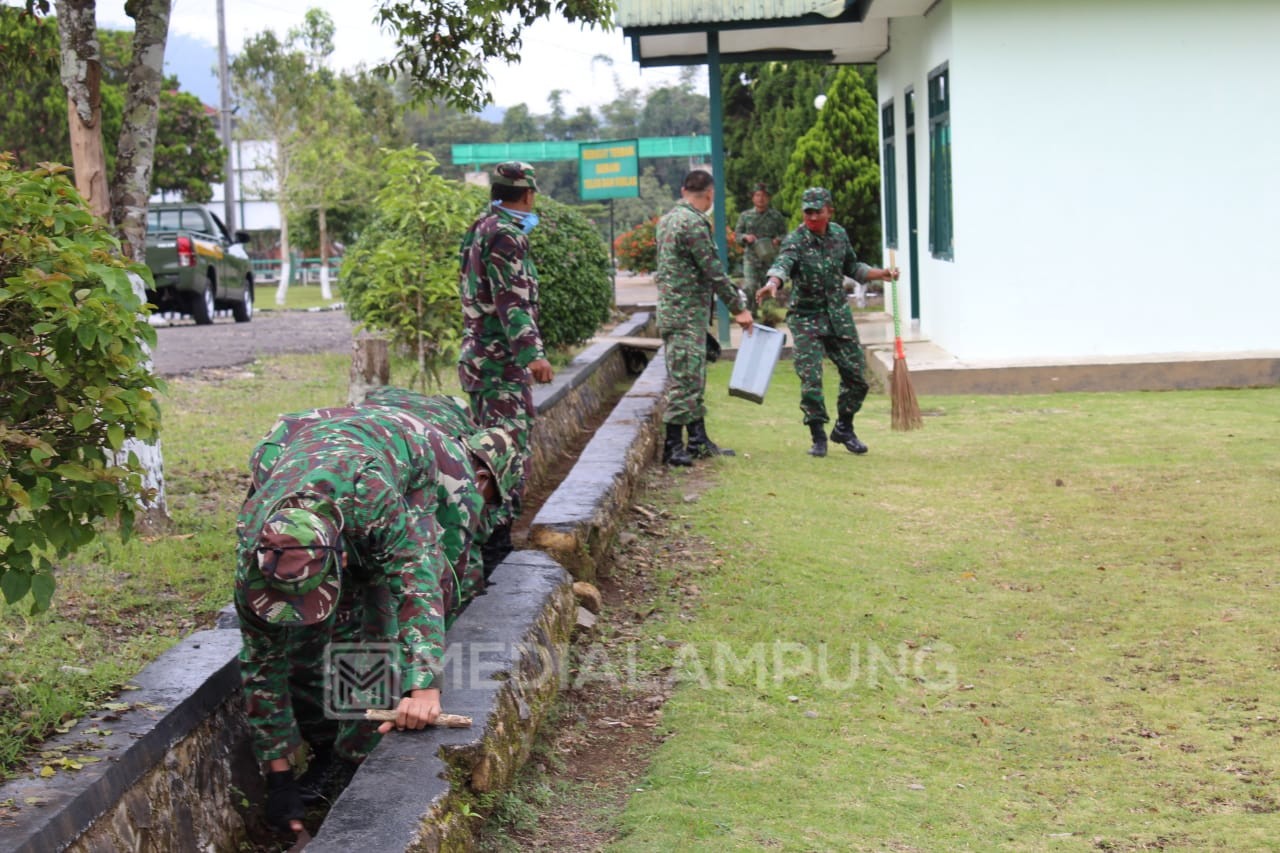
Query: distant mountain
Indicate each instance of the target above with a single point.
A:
(195, 63)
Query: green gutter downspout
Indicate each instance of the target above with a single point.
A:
(717, 170)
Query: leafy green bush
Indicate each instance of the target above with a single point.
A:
(576, 290)
(75, 379)
(401, 277)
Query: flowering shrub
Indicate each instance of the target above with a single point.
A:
(637, 249)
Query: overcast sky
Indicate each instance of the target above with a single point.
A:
(556, 54)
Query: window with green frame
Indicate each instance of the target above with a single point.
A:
(890, 174)
(941, 226)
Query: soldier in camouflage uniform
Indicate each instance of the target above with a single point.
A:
(816, 257)
(502, 350)
(760, 232)
(360, 526)
(689, 275)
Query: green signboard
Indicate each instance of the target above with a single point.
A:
(609, 169)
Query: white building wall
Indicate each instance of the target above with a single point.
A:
(1114, 176)
(918, 45)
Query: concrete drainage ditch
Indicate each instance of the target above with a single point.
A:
(168, 767)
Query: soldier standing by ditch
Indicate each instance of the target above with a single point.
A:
(816, 257)
(502, 351)
(689, 276)
(360, 528)
(760, 231)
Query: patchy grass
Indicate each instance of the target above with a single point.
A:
(118, 605)
(299, 297)
(1042, 622)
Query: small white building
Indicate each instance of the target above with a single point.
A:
(1062, 179)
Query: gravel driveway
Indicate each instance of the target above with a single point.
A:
(185, 347)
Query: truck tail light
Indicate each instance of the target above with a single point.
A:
(186, 252)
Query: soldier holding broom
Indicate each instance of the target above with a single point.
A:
(816, 257)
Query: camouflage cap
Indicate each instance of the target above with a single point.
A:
(297, 557)
(498, 450)
(760, 187)
(815, 198)
(515, 173)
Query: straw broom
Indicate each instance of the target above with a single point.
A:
(905, 410)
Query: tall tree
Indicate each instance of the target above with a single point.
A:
(81, 73)
(81, 70)
(189, 154)
(135, 153)
(768, 106)
(271, 79)
(331, 165)
(841, 153)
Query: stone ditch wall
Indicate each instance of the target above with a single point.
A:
(168, 765)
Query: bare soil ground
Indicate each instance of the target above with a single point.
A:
(596, 750)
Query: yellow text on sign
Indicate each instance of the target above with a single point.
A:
(602, 183)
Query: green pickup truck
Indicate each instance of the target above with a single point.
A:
(197, 266)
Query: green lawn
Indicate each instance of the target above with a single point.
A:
(299, 297)
(1039, 623)
(118, 605)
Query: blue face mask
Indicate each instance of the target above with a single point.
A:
(528, 220)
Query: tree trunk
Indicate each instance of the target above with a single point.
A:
(370, 367)
(282, 200)
(325, 292)
(81, 72)
(135, 155)
(285, 266)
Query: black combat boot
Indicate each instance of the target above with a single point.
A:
(819, 436)
(496, 548)
(844, 434)
(702, 447)
(673, 452)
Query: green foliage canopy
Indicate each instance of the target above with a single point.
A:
(74, 378)
(443, 46)
(189, 155)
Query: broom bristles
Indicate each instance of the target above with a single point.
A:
(904, 408)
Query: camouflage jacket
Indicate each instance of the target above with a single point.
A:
(817, 266)
(689, 273)
(410, 508)
(499, 289)
(765, 226)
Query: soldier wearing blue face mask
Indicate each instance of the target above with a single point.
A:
(502, 352)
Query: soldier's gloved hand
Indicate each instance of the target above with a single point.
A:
(284, 802)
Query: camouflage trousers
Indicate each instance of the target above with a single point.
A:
(813, 341)
(506, 404)
(686, 356)
(753, 278)
(276, 735)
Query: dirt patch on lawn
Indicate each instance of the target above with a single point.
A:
(594, 753)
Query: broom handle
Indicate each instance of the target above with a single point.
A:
(448, 721)
(897, 320)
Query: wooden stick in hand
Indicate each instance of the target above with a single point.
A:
(448, 721)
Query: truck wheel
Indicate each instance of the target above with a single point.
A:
(202, 304)
(242, 311)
